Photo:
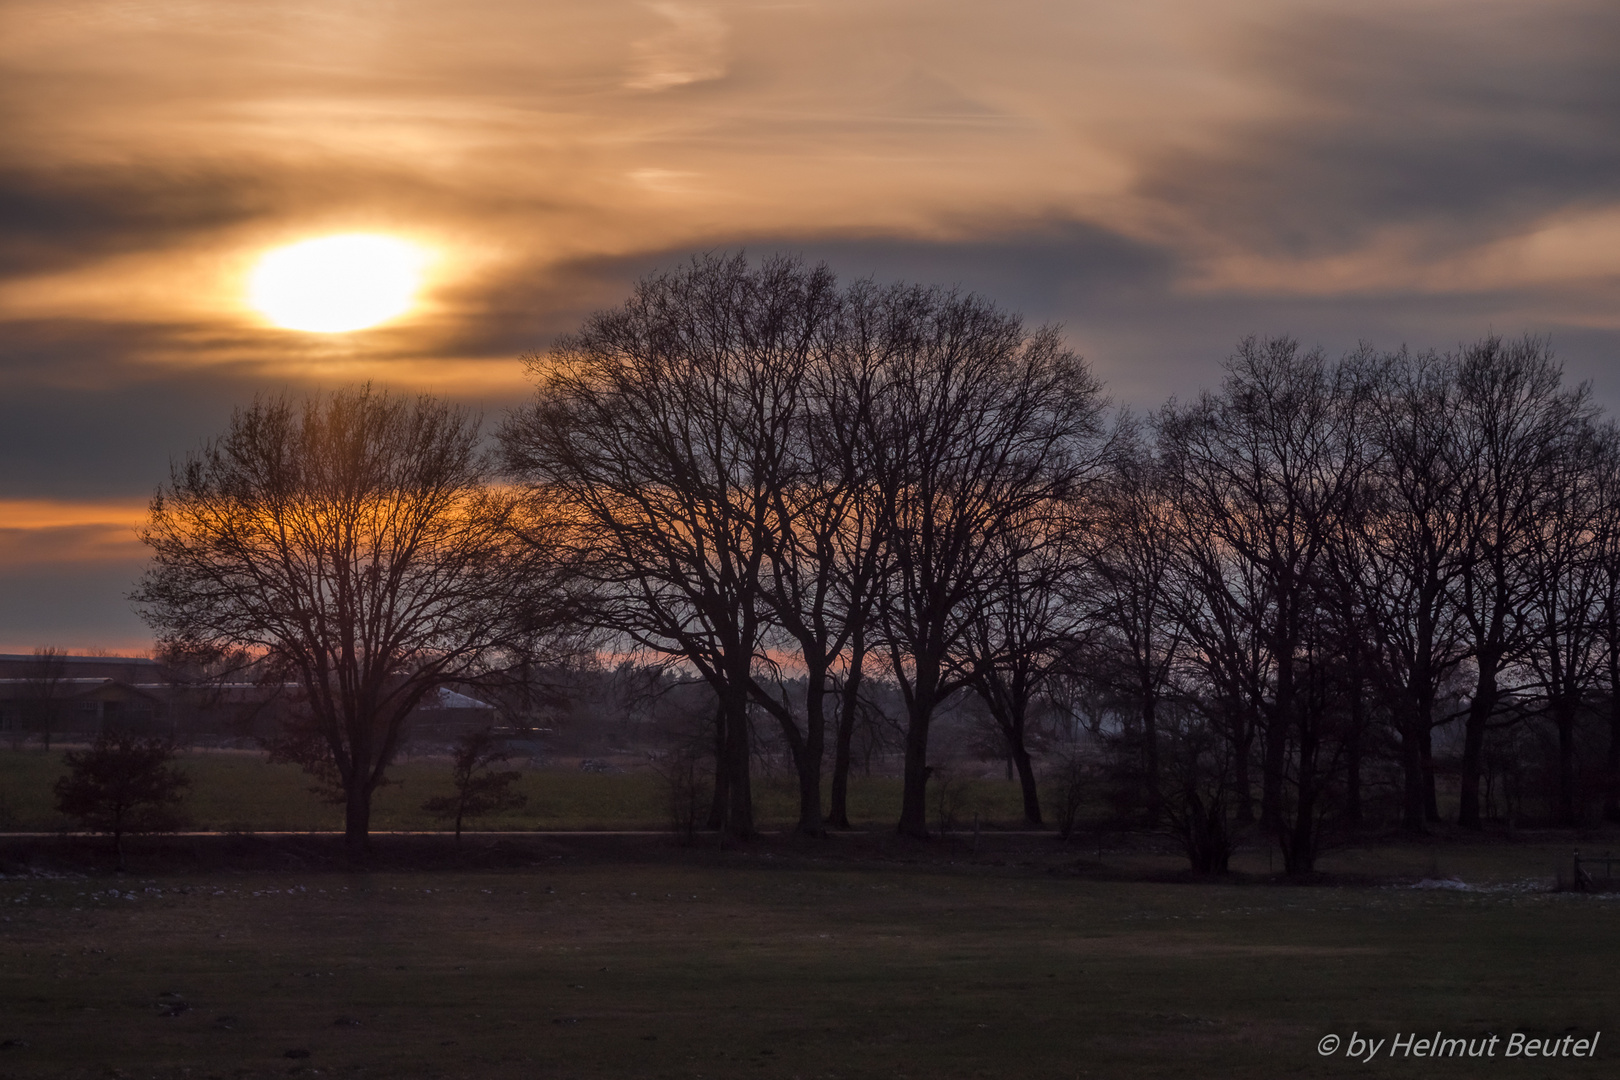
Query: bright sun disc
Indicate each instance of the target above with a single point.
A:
(335, 284)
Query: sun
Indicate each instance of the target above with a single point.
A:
(335, 284)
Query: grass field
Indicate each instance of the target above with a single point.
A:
(764, 962)
(861, 956)
(240, 791)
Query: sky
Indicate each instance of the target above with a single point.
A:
(1161, 178)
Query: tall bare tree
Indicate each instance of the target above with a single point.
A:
(1025, 629)
(1564, 653)
(354, 543)
(1607, 553)
(1402, 551)
(1515, 422)
(1133, 639)
(985, 427)
(1267, 471)
(664, 434)
(826, 565)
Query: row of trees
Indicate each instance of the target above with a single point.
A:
(791, 489)
(1321, 563)
(769, 479)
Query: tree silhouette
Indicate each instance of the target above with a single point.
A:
(479, 790)
(663, 434)
(355, 543)
(123, 784)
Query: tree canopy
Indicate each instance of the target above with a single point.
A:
(355, 544)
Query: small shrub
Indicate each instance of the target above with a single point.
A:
(688, 782)
(480, 790)
(121, 785)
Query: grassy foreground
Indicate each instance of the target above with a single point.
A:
(754, 964)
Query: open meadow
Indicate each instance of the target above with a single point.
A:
(861, 957)
(995, 954)
(239, 791)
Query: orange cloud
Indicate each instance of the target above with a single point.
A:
(38, 532)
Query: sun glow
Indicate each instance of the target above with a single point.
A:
(335, 284)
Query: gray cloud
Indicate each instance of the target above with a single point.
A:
(1465, 122)
(60, 217)
(1117, 299)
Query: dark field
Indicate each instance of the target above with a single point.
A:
(634, 957)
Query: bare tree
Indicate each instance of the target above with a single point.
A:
(826, 573)
(1400, 555)
(663, 433)
(45, 682)
(354, 543)
(1514, 424)
(1134, 639)
(1564, 652)
(480, 789)
(1023, 632)
(1267, 471)
(1197, 791)
(984, 428)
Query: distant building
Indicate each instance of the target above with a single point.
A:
(76, 697)
(126, 669)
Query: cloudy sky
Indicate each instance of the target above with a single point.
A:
(1161, 177)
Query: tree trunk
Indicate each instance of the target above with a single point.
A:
(1431, 801)
(1242, 786)
(920, 712)
(1026, 779)
(357, 817)
(1276, 748)
(1412, 818)
(914, 796)
(808, 760)
(848, 701)
(1008, 706)
(1352, 748)
(838, 799)
(1299, 856)
(1352, 769)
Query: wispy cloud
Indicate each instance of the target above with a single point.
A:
(1161, 177)
(690, 47)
